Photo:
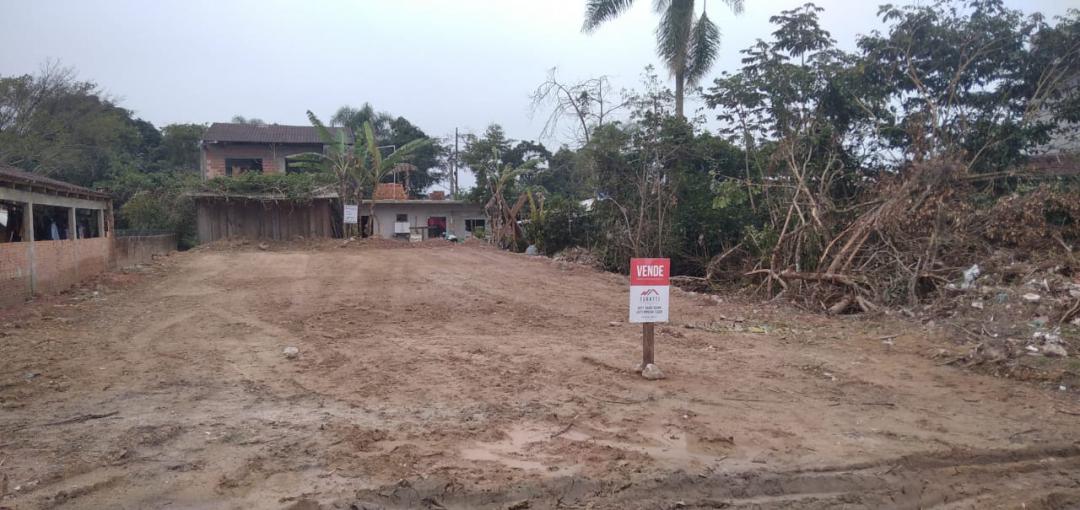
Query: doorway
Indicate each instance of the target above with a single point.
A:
(436, 226)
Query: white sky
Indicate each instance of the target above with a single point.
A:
(440, 63)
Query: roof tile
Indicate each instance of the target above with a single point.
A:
(268, 133)
(16, 176)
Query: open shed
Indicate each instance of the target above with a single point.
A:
(52, 234)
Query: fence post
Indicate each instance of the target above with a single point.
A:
(28, 236)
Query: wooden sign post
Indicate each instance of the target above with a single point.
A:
(649, 299)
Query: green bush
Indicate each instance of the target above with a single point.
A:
(168, 210)
(156, 201)
(297, 186)
(563, 224)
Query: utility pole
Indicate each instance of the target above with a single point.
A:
(453, 164)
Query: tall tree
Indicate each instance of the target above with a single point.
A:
(485, 156)
(589, 103)
(687, 45)
(180, 146)
(54, 124)
(360, 167)
(393, 132)
(254, 121)
(354, 118)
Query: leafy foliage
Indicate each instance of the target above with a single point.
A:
(561, 224)
(156, 201)
(56, 125)
(360, 167)
(970, 80)
(392, 133)
(294, 186)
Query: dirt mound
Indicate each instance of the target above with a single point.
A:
(579, 255)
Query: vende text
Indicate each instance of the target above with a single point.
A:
(650, 271)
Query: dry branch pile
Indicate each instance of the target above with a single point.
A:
(911, 241)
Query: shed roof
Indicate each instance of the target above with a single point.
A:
(13, 176)
(269, 133)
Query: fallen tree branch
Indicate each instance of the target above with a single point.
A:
(1070, 312)
(840, 306)
(563, 431)
(80, 419)
(627, 402)
(819, 277)
(771, 274)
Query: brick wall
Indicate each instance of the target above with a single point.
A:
(14, 273)
(272, 156)
(57, 266)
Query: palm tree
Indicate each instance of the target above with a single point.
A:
(688, 47)
(354, 118)
(360, 166)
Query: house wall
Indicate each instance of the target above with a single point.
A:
(52, 266)
(250, 219)
(455, 214)
(272, 155)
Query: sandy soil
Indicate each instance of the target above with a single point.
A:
(464, 377)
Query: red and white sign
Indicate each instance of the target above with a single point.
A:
(649, 284)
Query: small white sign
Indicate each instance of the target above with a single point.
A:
(649, 303)
(352, 214)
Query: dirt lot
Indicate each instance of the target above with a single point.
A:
(464, 377)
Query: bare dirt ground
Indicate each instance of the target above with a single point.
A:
(464, 377)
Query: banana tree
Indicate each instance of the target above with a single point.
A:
(357, 167)
(373, 168)
(504, 226)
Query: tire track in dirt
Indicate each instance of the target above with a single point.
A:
(964, 479)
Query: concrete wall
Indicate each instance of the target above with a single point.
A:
(130, 251)
(272, 156)
(39, 267)
(419, 212)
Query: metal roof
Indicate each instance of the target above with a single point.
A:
(14, 176)
(269, 133)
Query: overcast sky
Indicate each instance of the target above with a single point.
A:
(440, 63)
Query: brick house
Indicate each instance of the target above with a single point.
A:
(230, 149)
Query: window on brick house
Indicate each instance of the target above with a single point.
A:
(237, 166)
(300, 165)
